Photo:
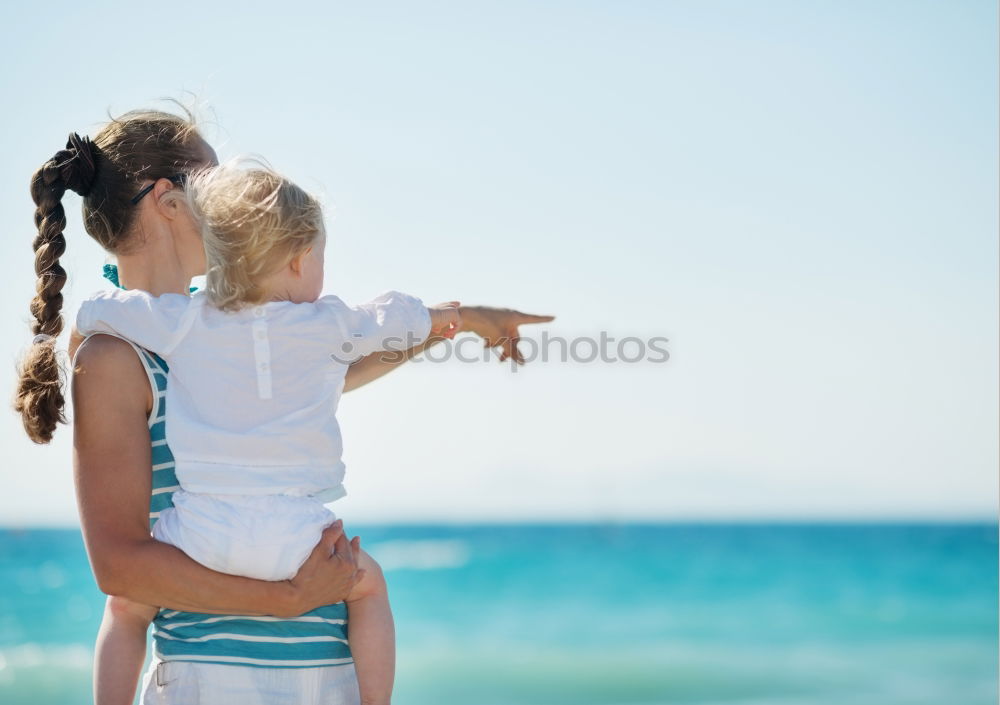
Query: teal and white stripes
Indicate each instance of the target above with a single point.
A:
(164, 479)
(317, 638)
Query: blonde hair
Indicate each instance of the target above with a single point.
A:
(254, 222)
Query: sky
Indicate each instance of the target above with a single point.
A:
(801, 197)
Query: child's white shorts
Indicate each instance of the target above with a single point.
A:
(267, 537)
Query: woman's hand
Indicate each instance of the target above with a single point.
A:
(327, 576)
(498, 327)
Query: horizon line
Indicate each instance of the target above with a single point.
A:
(638, 521)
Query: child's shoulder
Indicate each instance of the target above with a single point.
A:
(329, 300)
(133, 295)
(116, 295)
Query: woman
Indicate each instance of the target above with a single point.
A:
(218, 635)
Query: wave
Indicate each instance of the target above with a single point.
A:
(707, 674)
(45, 673)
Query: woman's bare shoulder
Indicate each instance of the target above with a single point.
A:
(108, 365)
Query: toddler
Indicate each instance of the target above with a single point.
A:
(256, 367)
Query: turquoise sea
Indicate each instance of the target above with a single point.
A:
(740, 614)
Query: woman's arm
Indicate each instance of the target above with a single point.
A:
(496, 326)
(111, 459)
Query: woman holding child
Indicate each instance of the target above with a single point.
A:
(217, 636)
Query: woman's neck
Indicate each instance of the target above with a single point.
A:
(154, 268)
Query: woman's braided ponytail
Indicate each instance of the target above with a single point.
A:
(39, 396)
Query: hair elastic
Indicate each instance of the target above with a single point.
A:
(42, 338)
(83, 156)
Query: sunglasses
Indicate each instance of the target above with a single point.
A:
(177, 179)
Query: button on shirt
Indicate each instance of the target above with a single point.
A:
(252, 396)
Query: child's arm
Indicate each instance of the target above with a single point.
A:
(156, 323)
(392, 321)
(496, 326)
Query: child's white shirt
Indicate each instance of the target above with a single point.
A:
(252, 395)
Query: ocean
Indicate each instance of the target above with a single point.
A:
(615, 614)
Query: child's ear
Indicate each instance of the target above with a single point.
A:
(297, 264)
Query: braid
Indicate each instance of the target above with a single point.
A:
(39, 396)
(47, 188)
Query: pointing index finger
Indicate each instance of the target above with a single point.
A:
(533, 318)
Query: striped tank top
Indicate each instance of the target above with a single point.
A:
(317, 638)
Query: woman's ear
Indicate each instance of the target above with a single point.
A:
(297, 265)
(167, 198)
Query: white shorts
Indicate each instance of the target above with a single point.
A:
(267, 537)
(185, 683)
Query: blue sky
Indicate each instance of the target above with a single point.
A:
(800, 196)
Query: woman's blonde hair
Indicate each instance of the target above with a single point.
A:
(254, 222)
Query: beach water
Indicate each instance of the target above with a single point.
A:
(741, 614)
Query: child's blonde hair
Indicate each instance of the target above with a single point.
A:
(254, 222)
